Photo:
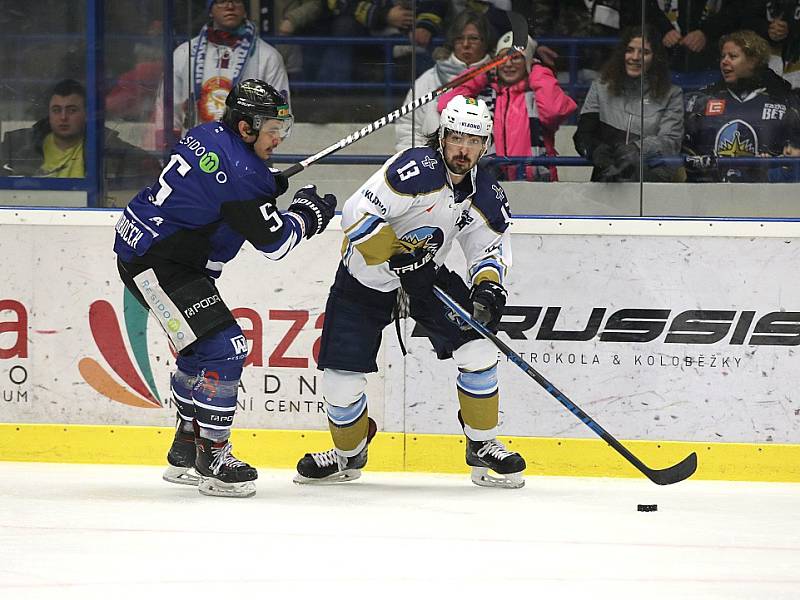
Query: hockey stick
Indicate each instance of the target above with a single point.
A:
(519, 28)
(673, 474)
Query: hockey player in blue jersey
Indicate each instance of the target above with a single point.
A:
(399, 227)
(173, 240)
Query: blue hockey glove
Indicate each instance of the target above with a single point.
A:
(315, 210)
(488, 301)
(416, 270)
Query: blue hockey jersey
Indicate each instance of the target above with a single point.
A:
(213, 195)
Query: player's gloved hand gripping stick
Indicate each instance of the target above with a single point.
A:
(519, 29)
(673, 474)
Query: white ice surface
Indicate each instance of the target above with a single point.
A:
(118, 532)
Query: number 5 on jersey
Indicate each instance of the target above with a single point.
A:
(166, 189)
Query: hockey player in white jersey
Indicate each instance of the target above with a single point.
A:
(399, 227)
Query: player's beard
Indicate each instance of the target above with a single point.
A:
(461, 167)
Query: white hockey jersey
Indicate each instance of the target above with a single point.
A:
(409, 203)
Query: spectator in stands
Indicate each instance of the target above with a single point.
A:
(580, 18)
(295, 16)
(751, 112)
(778, 22)
(690, 30)
(226, 51)
(609, 129)
(528, 107)
(467, 42)
(55, 145)
(494, 11)
(133, 96)
(361, 18)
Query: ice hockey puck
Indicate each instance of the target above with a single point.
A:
(647, 507)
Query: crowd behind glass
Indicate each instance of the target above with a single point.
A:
(715, 80)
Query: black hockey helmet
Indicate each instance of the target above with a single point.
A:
(255, 102)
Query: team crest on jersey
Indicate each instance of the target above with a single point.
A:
(715, 107)
(427, 237)
(736, 138)
(429, 162)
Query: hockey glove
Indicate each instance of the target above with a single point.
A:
(488, 302)
(281, 182)
(627, 157)
(315, 210)
(416, 270)
(602, 156)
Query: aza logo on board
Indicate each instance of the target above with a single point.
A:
(137, 387)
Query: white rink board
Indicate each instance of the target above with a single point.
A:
(688, 391)
(59, 272)
(58, 265)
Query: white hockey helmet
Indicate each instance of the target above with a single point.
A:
(466, 115)
(507, 41)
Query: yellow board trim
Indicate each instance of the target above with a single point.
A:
(281, 449)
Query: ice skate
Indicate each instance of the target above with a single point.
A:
(492, 455)
(221, 473)
(181, 459)
(331, 467)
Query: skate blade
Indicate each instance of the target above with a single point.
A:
(181, 475)
(338, 477)
(482, 477)
(209, 486)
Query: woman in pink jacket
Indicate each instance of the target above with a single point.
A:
(528, 107)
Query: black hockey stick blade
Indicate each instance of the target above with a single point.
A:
(673, 474)
(519, 30)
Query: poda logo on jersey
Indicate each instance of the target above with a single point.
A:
(202, 305)
(430, 238)
(736, 138)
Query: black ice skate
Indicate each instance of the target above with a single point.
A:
(331, 467)
(492, 455)
(181, 458)
(221, 473)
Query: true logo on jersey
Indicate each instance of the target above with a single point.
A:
(715, 107)
(430, 238)
(773, 112)
(736, 138)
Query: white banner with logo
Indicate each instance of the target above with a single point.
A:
(655, 336)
